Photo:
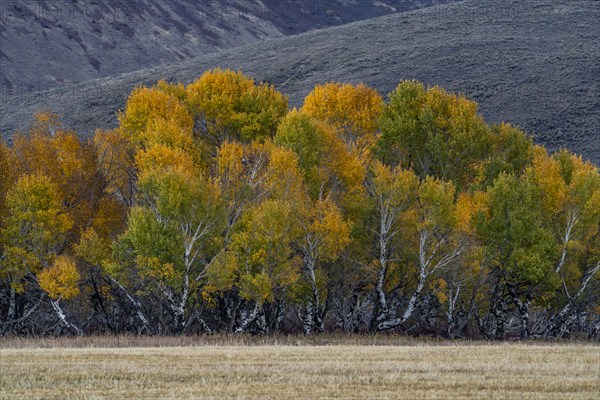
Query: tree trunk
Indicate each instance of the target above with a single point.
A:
(136, 305)
(63, 317)
(450, 316)
(11, 306)
(558, 324)
(248, 320)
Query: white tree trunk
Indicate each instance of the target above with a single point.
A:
(63, 317)
(248, 320)
(136, 304)
(12, 305)
(560, 322)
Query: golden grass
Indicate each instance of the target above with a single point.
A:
(416, 371)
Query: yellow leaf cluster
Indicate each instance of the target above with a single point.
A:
(61, 280)
(354, 110)
(546, 172)
(231, 106)
(147, 105)
(329, 224)
(159, 157)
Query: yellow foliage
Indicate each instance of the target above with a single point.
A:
(546, 172)
(61, 279)
(436, 199)
(343, 163)
(163, 131)
(467, 206)
(440, 286)
(284, 175)
(354, 110)
(329, 225)
(230, 158)
(393, 187)
(146, 105)
(152, 267)
(231, 106)
(159, 157)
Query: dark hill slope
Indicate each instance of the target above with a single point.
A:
(48, 42)
(535, 64)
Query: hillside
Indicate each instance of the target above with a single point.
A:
(534, 64)
(45, 42)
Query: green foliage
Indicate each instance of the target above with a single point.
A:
(157, 246)
(511, 152)
(300, 133)
(263, 248)
(512, 228)
(433, 132)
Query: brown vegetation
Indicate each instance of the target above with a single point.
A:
(417, 370)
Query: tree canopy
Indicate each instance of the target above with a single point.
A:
(213, 207)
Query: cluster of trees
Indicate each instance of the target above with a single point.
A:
(214, 208)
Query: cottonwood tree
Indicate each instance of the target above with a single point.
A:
(248, 175)
(353, 110)
(330, 173)
(324, 234)
(394, 194)
(570, 191)
(434, 133)
(264, 266)
(521, 250)
(228, 106)
(35, 233)
(170, 235)
(437, 242)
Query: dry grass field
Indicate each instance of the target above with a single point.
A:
(296, 369)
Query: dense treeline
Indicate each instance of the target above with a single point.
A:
(214, 208)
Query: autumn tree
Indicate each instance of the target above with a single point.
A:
(324, 234)
(171, 232)
(433, 236)
(393, 192)
(570, 194)
(353, 110)
(434, 133)
(521, 249)
(34, 235)
(330, 169)
(228, 105)
(263, 258)
(147, 107)
(248, 175)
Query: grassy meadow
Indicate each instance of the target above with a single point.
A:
(295, 368)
